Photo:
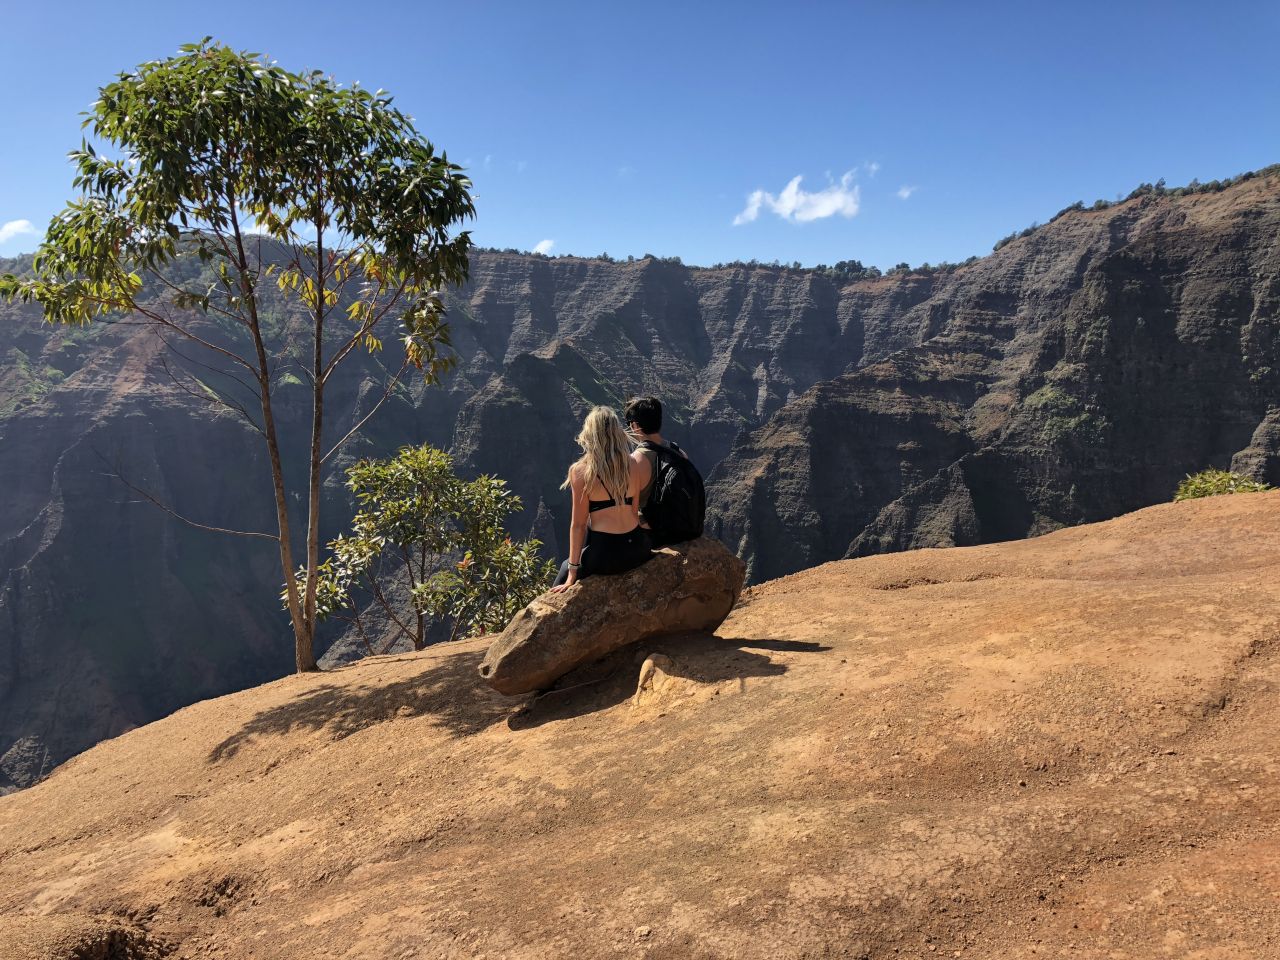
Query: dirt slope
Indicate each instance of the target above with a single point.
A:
(1058, 747)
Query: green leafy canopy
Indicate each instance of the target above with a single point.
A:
(441, 537)
(200, 149)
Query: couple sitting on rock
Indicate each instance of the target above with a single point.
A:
(632, 491)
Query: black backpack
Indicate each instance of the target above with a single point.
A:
(677, 500)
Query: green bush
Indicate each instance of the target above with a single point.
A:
(1210, 483)
(441, 538)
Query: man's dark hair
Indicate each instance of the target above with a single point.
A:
(645, 413)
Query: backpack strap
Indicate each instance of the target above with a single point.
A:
(660, 449)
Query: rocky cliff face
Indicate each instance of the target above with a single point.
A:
(111, 613)
(1075, 374)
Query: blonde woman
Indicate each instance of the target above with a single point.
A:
(605, 535)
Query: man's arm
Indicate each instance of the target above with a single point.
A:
(641, 456)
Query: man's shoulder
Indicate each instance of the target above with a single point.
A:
(651, 449)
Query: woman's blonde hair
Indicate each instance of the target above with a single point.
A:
(606, 453)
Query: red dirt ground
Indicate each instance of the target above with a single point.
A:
(1061, 747)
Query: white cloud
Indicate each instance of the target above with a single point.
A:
(752, 209)
(801, 206)
(544, 246)
(488, 160)
(904, 191)
(15, 228)
(872, 168)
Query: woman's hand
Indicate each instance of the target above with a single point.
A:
(577, 526)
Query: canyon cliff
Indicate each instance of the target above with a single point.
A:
(1076, 373)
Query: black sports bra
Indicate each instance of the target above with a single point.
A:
(594, 505)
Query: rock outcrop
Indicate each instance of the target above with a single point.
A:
(688, 587)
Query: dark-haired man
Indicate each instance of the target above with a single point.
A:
(673, 500)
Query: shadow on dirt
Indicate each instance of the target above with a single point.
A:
(450, 691)
(608, 682)
(785, 646)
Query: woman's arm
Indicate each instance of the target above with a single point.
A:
(577, 528)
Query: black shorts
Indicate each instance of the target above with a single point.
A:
(611, 553)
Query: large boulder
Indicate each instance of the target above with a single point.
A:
(691, 586)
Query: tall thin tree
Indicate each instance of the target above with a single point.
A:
(264, 177)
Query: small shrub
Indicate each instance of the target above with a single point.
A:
(442, 537)
(1078, 205)
(1211, 483)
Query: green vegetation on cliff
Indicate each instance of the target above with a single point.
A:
(1212, 483)
(1157, 189)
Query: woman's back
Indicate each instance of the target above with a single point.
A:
(605, 536)
(608, 514)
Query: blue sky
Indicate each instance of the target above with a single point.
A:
(922, 131)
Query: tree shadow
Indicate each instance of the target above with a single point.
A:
(786, 646)
(609, 681)
(449, 690)
(452, 693)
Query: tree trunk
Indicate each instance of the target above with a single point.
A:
(303, 631)
(304, 652)
(303, 647)
(313, 473)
